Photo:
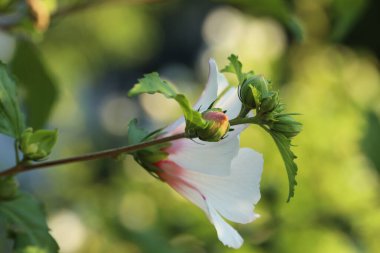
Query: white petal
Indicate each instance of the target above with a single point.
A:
(230, 102)
(211, 90)
(173, 175)
(226, 234)
(204, 157)
(233, 196)
(222, 82)
(215, 84)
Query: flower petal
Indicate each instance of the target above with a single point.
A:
(230, 102)
(233, 196)
(172, 174)
(226, 234)
(211, 90)
(204, 157)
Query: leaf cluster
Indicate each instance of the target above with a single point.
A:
(21, 215)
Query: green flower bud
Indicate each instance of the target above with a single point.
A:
(37, 145)
(249, 95)
(269, 103)
(253, 90)
(217, 125)
(287, 125)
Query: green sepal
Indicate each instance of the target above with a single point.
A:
(11, 117)
(149, 156)
(152, 83)
(286, 125)
(26, 224)
(37, 145)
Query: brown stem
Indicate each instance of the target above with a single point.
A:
(92, 156)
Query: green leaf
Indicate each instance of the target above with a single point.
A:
(26, 223)
(40, 89)
(38, 145)
(283, 145)
(11, 118)
(234, 67)
(152, 83)
(147, 156)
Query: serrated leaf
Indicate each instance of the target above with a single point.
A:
(234, 67)
(283, 145)
(26, 223)
(152, 83)
(40, 89)
(11, 118)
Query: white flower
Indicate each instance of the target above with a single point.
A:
(220, 178)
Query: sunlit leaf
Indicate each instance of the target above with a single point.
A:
(152, 83)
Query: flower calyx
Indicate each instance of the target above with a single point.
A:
(286, 125)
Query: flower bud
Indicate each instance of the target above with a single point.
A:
(269, 103)
(217, 125)
(286, 125)
(37, 145)
(252, 90)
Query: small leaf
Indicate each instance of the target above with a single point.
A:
(152, 83)
(234, 67)
(26, 223)
(38, 145)
(11, 118)
(283, 145)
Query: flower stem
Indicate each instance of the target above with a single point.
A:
(91, 156)
(239, 121)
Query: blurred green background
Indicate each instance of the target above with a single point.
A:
(324, 57)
